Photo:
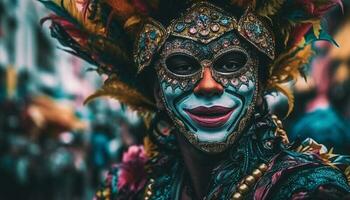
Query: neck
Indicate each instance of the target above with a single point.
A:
(199, 166)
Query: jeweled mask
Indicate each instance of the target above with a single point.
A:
(208, 71)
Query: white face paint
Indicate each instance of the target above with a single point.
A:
(229, 108)
(209, 101)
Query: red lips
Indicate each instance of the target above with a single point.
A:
(210, 117)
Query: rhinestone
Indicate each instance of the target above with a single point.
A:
(192, 30)
(224, 81)
(226, 43)
(179, 27)
(234, 82)
(204, 32)
(224, 21)
(203, 18)
(153, 35)
(215, 27)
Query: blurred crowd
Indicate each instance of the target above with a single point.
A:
(52, 146)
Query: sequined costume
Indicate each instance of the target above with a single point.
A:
(197, 72)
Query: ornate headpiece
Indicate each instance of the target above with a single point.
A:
(203, 22)
(104, 32)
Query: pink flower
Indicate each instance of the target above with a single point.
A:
(132, 174)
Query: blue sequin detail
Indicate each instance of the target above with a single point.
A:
(179, 27)
(153, 35)
(224, 21)
(204, 18)
(255, 28)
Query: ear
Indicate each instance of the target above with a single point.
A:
(158, 96)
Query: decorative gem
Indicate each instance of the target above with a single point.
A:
(215, 27)
(203, 22)
(224, 21)
(192, 30)
(256, 32)
(150, 40)
(204, 32)
(179, 27)
(234, 82)
(226, 43)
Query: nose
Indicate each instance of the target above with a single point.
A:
(207, 86)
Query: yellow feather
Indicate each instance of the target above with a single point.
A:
(287, 68)
(75, 9)
(270, 8)
(115, 88)
(317, 29)
(347, 174)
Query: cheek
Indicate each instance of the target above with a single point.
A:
(245, 85)
(171, 95)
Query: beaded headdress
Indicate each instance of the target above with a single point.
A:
(122, 37)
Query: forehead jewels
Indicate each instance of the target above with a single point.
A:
(203, 23)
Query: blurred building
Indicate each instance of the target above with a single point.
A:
(51, 145)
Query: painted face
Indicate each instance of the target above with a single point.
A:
(209, 90)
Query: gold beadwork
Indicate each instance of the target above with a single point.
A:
(148, 191)
(249, 181)
(257, 173)
(263, 167)
(243, 188)
(237, 196)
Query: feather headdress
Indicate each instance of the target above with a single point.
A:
(103, 33)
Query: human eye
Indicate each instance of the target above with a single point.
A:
(181, 64)
(230, 62)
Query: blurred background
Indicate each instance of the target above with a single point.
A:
(54, 147)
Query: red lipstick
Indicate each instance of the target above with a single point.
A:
(210, 117)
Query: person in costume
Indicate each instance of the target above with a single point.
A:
(197, 72)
